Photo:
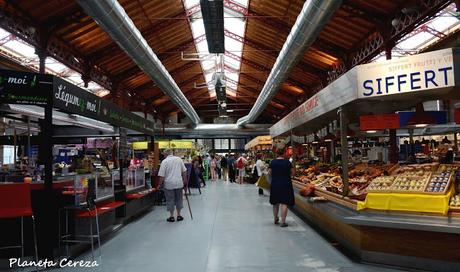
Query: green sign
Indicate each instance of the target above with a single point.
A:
(25, 88)
(74, 99)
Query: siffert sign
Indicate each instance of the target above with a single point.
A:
(421, 72)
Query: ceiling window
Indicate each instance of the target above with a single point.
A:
(14, 48)
(445, 23)
(234, 23)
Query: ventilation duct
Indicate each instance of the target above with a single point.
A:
(111, 16)
(314, 15)
(213, 19)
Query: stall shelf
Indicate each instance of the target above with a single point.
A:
(408, 240)
(260, 143)
(55, 101)
(413, 238)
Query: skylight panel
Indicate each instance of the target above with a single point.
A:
(208, 77)
(190, 3)
(202, 47)
(3, 33)
(21, 48)
(55, 66)
(233, 46)
(234, 22)
(208, 64)
(443, 23)
(235, 25)
(232, 63)
(197, 27)
(243, 3)
(232, 76)
(415, 41)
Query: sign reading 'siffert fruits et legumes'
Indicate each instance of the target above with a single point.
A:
(409, 74)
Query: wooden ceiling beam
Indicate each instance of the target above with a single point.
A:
(147, 33)
(161, 94)
(283, 27)
(171, 106)
(74, 15)
(272, 53)
(356, 10)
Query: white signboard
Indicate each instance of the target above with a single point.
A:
(421, 72)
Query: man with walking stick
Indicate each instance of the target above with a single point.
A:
(173, 174)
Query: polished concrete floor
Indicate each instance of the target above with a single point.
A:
(232, 230)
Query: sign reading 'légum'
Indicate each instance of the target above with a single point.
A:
(421, 72)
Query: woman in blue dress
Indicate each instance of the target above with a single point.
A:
(281, 191)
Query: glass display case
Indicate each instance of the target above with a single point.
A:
(101, 184)
(134, 178)
(104, 185)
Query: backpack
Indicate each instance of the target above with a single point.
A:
(240, 163)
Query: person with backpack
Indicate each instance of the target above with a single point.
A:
(241, 167)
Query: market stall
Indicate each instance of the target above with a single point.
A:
(365, 203)
(260, 143)
(74, 149)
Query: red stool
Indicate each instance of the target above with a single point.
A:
(15, 202)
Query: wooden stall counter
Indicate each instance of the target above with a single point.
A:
(416, 241)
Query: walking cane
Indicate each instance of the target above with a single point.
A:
(188, 203)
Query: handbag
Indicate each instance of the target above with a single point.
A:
(264, 182)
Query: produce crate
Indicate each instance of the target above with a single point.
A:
(439, 183)
(411, 183)
(376, 183)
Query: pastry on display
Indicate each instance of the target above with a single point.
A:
(380, 184)
(439, 182)
(411, 182)
(455, 201)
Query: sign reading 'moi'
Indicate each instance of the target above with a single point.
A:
(425, 76)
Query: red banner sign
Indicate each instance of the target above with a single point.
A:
(377, 122)
(457, 116)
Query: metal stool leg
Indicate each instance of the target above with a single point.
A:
(98, 233)
(35, 238)
(91, 233)
(22, 236)
(67, 231)
(59, 231)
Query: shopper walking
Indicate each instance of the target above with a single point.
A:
(224, 167)
(258, 169)
(219, 166)
(213, 166)
(241, 167)
(281, 191)
(173, 174)
(197, 169)
(231, 168)
(201, 168)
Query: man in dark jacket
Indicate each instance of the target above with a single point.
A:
(224, 166)
(231, 168)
